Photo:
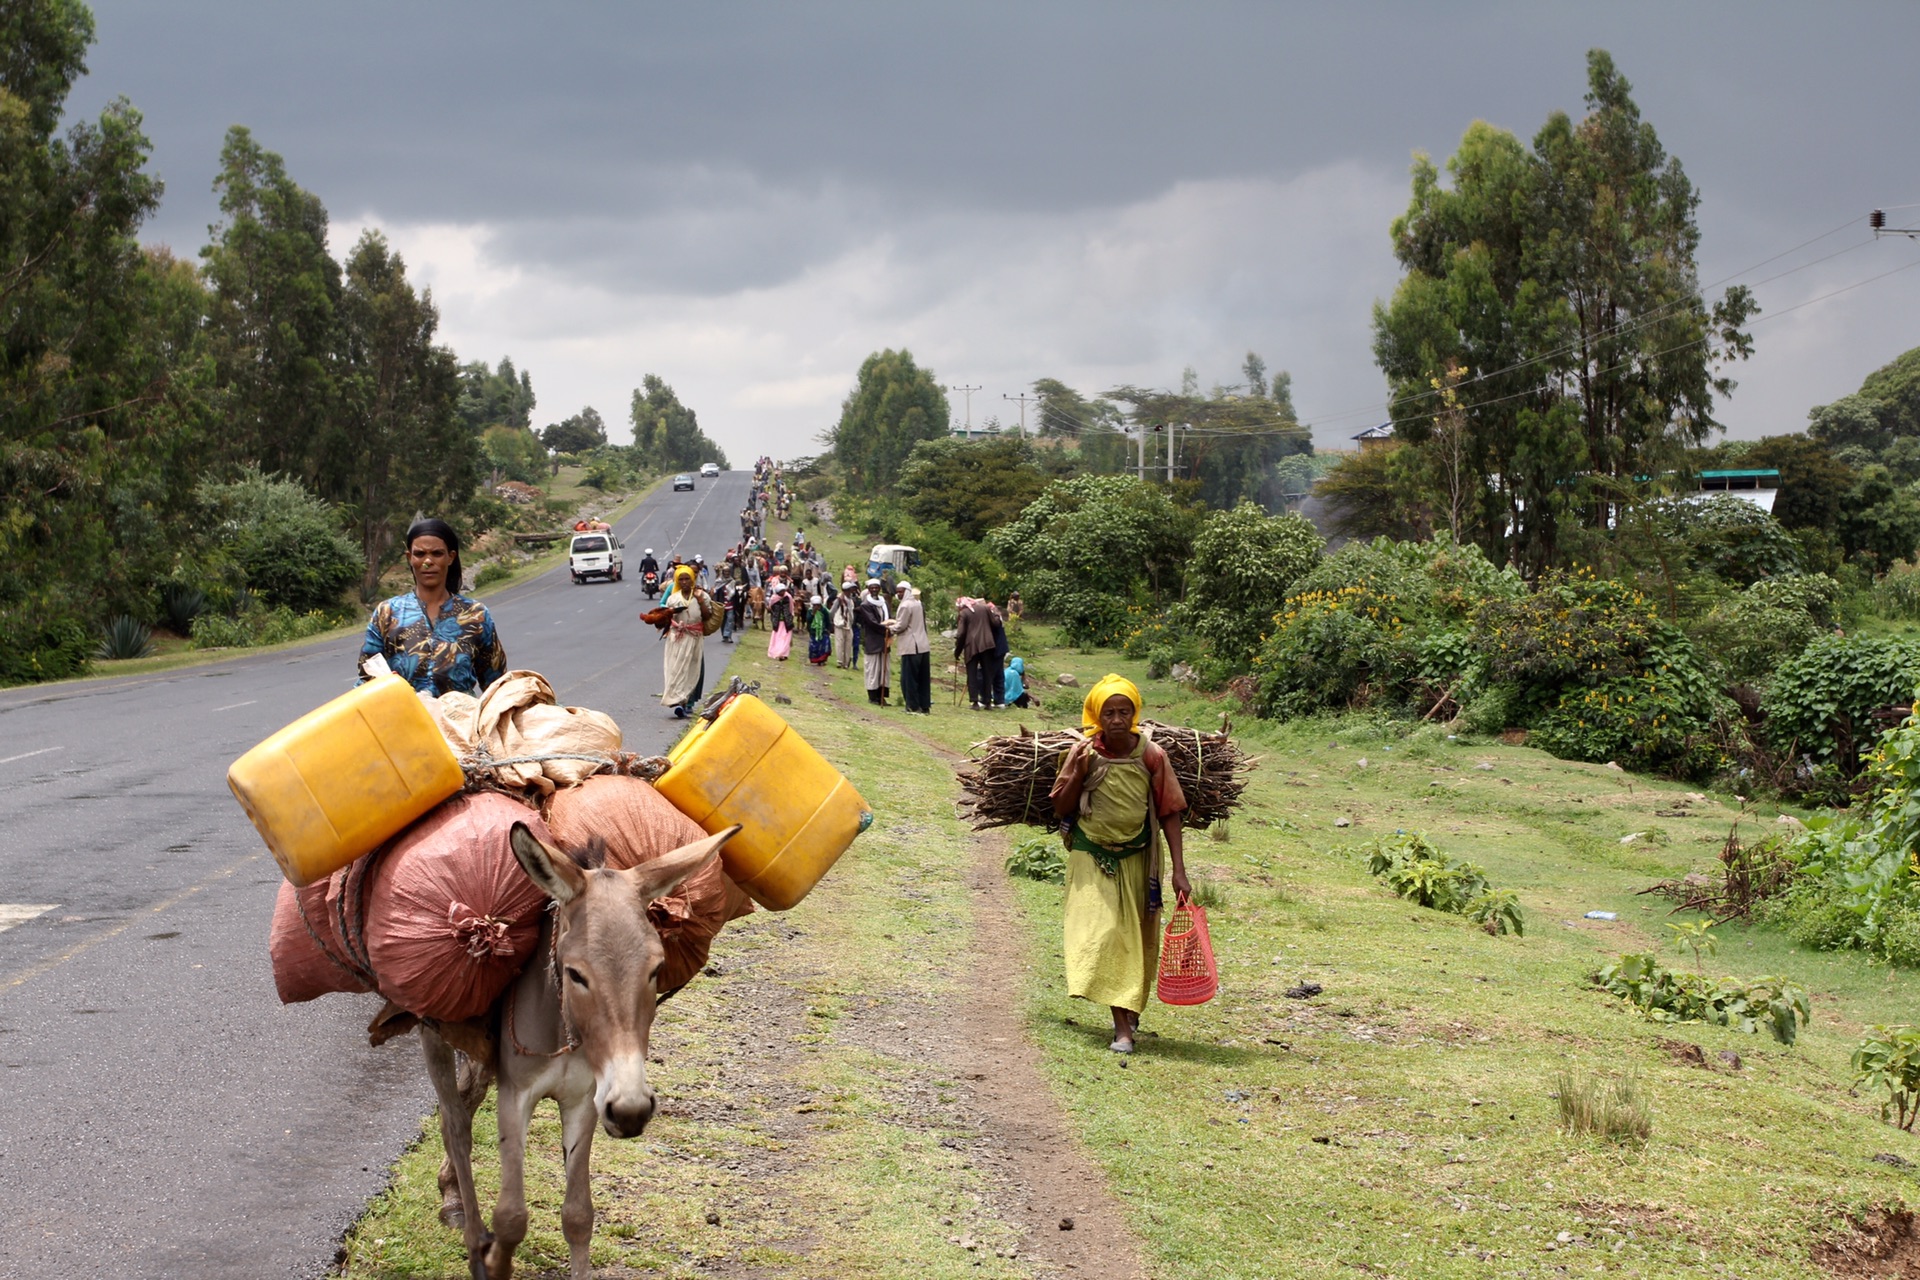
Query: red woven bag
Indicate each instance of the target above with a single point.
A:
(1188, 974)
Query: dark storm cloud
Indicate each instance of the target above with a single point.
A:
(444, 111)
(825, 179)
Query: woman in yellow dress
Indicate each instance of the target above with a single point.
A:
(1118, 798)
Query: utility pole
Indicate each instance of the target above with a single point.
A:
(1878, 221)
(1023, 410)
(967, 392)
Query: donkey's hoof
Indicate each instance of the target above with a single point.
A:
(452, 1215)
(477, 1257)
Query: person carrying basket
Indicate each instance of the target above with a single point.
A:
(1117, 799)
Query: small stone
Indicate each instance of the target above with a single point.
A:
(1342, 822)
(1361, 762)
(1565, 1237)
(1066, 1224)
(1729, 1057)
(946, 1222)
(713, 1219)
(1068, 679)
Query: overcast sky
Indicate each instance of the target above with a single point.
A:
(747, 199)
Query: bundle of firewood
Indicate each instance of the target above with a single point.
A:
(1008, 781)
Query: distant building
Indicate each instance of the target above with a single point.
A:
(1760, 486)
(1376, 437)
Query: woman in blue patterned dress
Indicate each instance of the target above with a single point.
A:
(433, 637)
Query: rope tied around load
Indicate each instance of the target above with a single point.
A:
(482, 768)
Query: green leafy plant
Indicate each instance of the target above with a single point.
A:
(1415, 870)
(126, 638)
(1616, 1110)
(1039, 858)
(1889, 1059)
(1498, 911)
(1665, 995)
(1819, 702)
(1695, 935)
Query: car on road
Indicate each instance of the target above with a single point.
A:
(682, 481)
(709, 469)
(595, 555)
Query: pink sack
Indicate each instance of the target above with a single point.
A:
(302, 965)
(451, 917)
(638, 825)
(779, 642)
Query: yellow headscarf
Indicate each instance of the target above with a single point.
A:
(1105, 688)
(683, 579)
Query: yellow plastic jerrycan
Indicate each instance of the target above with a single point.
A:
(797, 813)
(342, 780)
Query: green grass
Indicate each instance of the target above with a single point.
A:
(1404, 1122)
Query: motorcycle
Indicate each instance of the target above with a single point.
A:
(650, 583)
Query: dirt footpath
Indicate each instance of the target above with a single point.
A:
(777, 1071)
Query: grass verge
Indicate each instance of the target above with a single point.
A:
(1403, 1121)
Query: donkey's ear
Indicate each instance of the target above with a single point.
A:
(552, 870)
(662, 876)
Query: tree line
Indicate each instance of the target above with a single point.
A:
(136, 387)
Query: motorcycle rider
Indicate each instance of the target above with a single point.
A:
(647, 563)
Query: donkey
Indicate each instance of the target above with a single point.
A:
(575, 1030)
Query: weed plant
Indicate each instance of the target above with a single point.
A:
(1039, 858)
(1664, 995)
(1612, 1110)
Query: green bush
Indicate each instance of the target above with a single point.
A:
(1381, 623)
(1897, 594)
(259, 626)
(285, 541)
(1591, 670)
(1736, 541)
(1088, 548)
(46, 648)
(1039, 858)
(491, 572)
(1818, 702)
(1244, 561)
(1751, 633)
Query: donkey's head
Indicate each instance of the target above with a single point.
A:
(607, 957)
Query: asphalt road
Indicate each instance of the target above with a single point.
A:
(161, 1113)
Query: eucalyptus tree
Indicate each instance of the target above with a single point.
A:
(397, 445)
(100, 407)
(1551, 320)
(894, 405)
(275, 321)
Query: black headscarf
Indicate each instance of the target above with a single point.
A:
(432, 528)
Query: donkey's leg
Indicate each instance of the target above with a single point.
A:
(456, 1135)
(513, 1105)
(474, 1077)
(577, 1124)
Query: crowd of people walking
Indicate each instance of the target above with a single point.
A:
(851, 618)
